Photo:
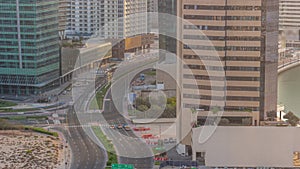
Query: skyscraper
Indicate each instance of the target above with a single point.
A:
(289, 21)
(62, 18)
(167, 26)
(29, 51)
(152, 8)
(109, 19)
(123, 18)
(83, 17)
(233, 61)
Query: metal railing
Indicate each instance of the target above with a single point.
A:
(287, 61)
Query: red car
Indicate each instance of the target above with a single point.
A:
(146, 136)
(141, 129)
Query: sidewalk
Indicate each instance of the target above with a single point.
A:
(57, 90)
(67, 153)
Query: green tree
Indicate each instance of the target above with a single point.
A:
(140, 101)
(292, 118)
(171, 101)
(272, 115)
(170, 112)
(224, 122)
(142, 108)
(247, 121)
(215, 109)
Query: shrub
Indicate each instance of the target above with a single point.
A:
(292, 118)
(41, 130)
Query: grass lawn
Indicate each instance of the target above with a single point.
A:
(25, 118)
(150, 73)
(94, 104)
(102, 137)
(17, 110)
(111, 152)
(97, 102)
(41, 130)
(25, 109)
(7, 103)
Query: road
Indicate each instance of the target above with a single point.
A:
(130, 148)
(86, 154)
(86, 149)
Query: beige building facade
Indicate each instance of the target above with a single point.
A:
(228, 66)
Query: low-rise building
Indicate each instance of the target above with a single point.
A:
(233, 146)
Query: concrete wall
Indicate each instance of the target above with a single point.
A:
(288, 67)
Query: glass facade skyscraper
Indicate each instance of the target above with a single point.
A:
(167, 27)
(29, 47)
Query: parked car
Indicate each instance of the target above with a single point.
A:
(147, 136)
(120, 126)
(127, 128)
(172, 140)
(141, 129)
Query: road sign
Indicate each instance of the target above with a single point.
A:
(122, 166)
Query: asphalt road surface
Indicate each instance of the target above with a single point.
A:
(130, 149)
(86, 154)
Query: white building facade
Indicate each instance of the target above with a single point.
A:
(83, 17)
(110, 19)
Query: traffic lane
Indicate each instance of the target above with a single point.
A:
(114, 117)
(130, 151)
(86, 153)
(139, 163)
(128, 146)
(85, 156)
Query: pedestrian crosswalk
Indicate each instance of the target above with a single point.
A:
(88, 125)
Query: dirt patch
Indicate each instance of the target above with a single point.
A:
(29, 150)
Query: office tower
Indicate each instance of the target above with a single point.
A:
(106, 18)
(123, 18)
(112, 26)
(62, 18)
(29, 51)
(83, 18)
(152, 9)
(152, 5)
(239, 40)
(167, 24)
(289, 21)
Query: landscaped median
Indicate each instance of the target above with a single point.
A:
(4, 103)
(97, 102)
(12, 109)
(25, 118)
(111, 152)
(41, 130)
(5, 125)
